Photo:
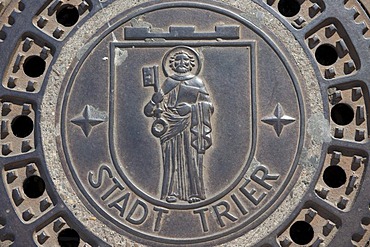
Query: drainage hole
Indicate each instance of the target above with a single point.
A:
(22, 126)
(2, 223)
(2, 35)
(68, 238)
(342, 114)
(289, 8)
(301, 232)
(34, 186)
(335, 176)
(11, 20)
(34, 66)
(326, 55)
(21, 6)
(365, 221)
(67, 15)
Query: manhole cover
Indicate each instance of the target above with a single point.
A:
(184, 123)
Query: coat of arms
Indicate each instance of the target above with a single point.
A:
(170, 100)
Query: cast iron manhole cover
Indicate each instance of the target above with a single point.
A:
(185, 123)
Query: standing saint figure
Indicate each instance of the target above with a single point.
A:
(185, 112)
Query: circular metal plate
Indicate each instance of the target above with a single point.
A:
(184, 123)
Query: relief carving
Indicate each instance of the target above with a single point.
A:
(182, 109)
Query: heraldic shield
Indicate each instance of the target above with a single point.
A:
(182, 100)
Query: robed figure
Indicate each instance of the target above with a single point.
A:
(183, 109)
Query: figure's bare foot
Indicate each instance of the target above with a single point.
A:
(171, 199)
(194, 199)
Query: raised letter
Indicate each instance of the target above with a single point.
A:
(122, 208)
(100, 176)
(116, 186)
(265, 176)
(203, 220)
(249, 194)
(239, 204)
(158, 221)
(225, 213)
(133, 210)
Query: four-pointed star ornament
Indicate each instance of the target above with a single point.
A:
(278, 119)
(89, 118)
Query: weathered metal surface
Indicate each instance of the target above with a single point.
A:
(184, 123)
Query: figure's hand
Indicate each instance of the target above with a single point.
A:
(183, 109)
(157, 97)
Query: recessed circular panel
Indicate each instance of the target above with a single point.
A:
(184, 123)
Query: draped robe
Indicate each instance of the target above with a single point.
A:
(187, 138)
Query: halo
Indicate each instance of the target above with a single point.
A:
(174, 50)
